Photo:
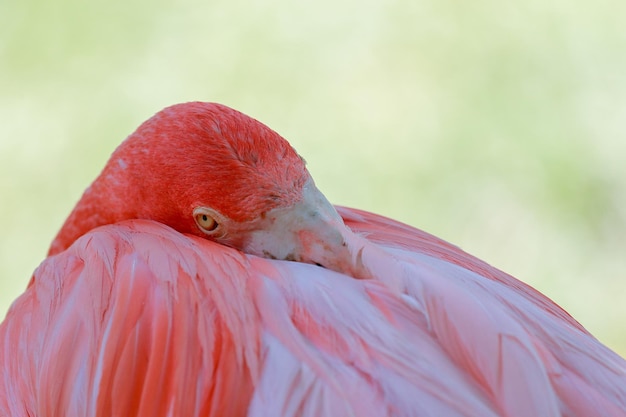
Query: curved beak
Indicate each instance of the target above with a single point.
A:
(310, 231)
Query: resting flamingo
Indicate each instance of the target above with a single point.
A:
(203, 274)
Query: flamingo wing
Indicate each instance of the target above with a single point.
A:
(528, 354)
(389, 232)
(138, 319)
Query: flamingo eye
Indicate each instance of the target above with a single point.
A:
(206, 220)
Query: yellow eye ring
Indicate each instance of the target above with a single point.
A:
(206, 222)
(209, 221)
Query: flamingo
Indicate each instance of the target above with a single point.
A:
(203, 274)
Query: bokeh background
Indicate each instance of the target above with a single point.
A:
(497, 125)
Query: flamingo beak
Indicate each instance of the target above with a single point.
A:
(310, 231)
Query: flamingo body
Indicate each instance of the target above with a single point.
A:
(136, 318)
(177, 325)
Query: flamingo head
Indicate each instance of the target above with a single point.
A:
(208, 170)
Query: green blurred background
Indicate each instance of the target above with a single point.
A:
(497, 125)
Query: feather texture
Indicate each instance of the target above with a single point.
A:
(137, 319)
